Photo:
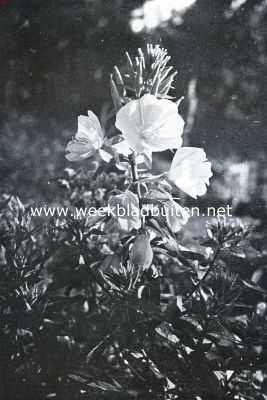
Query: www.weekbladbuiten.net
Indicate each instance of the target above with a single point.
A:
(124, 211)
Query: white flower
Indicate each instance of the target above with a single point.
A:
(150, 124)
(88, 139)
(190, 171)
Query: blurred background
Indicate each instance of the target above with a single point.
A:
(56, 57)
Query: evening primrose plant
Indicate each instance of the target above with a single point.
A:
(147, 121)
(123, 303)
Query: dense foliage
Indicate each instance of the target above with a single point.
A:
(76, 323)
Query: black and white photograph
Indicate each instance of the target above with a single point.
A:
(133, 200)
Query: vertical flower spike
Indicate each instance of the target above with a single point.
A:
(148, 72)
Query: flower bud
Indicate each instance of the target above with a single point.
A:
(141, 254)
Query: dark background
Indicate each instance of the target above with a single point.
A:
(56, 57)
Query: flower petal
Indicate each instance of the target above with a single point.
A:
(144, 160)
(86, 123)
(190, 171)
(78, 151)
(87, 140)
(105, 155)
(150, 124)
(122, 148)
(89, 129)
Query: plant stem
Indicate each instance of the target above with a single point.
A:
(132, 160)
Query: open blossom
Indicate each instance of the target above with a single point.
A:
(88, 139)
(150, 124)
(190, 171)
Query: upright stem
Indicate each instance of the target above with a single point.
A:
(132, 160)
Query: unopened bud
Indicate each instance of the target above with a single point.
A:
(115, 94)
(141, 254)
